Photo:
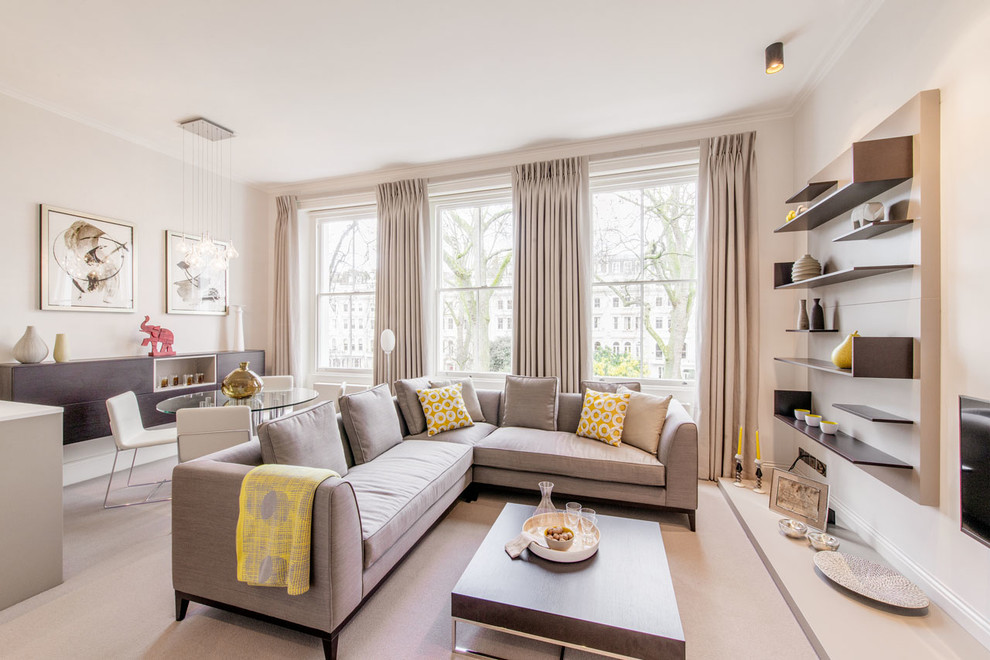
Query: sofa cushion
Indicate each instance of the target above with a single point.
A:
(371, 423)
(309, 438)
(469, 394)
(611, 388)
(644, 419)
(397, 488)
(444, 409)
(469, 435)
(531, 402)
(559, 452)
(412, 411)
(602, 416)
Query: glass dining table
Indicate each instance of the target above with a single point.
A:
(266, 400)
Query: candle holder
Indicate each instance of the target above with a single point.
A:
(738, 480)
(759, 477)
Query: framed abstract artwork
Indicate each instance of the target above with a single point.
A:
(87, 262)
(800, 498)
(192, 286)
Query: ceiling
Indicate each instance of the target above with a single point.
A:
(319, 88)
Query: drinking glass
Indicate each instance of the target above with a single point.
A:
(572, 515)
(588, 520)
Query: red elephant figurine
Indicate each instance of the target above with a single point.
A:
(160, 339)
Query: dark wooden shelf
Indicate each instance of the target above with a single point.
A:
(846, 446)
(872, 414)
(792, 330)
(873, 229)
(819, 365)
(811, 191)
(782, 275)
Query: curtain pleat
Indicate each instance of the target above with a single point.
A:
(285, 313)
(550, 331)
(403, 209)
(729, 373)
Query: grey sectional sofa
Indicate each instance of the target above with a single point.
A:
(366, 521)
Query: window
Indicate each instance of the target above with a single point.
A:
(347, 262)
(598, 302)
(644, 227)
(597, 319)
(474, 278)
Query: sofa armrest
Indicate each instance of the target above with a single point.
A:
(205, 496)
(678, 451)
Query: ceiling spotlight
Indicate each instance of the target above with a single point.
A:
(775, 57)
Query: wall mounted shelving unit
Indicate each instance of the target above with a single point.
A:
(898, 163)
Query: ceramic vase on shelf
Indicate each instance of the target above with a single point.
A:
(802, 323)
(61, 350)
(817, 315)
(242, 383)
(546, 504)
(805, 268)
(842, 356)
(30, 349)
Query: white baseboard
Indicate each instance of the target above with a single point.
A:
(966, 616)
(94, 458)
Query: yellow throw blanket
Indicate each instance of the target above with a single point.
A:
(275, 524)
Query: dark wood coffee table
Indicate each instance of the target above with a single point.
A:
(619, 603)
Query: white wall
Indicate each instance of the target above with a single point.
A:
(910, 46)
(49, 159)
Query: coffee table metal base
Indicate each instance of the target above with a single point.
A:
(459, 650)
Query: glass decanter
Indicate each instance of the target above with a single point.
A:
(546, 504)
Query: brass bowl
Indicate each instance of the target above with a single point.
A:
(242, 383)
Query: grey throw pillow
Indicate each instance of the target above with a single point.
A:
(468, 393)
(611, 388)
(371, 423)
(412, 410)
(309, 438)
(645, 416)
(531, 402)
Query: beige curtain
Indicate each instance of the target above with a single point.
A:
(729, 367)
(285, 317)
(403, 212)
(552, 284)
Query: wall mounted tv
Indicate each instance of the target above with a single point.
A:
(974, 465)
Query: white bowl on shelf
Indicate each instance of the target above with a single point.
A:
(828, 427)
(812, 420)
(799, 413)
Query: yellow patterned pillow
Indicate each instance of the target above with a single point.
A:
(602, 416)
(444, 408)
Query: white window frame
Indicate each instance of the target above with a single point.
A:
(319, 217)
(621, 173)
(477, 191)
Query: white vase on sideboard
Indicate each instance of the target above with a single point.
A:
(30, 348)
(238, 312)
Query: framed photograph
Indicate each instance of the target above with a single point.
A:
(192, 288)
(800, 498)
(87, 262)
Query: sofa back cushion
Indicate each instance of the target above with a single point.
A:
(309, 438)
(412, 411)
(569, 405)
(531, 402)
(644, 420)
(371, 422)
(611, 388)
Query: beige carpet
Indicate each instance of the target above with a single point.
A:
(117, 602)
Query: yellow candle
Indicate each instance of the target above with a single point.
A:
(757, 444)
(739, 449)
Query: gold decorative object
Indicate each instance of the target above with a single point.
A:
(842, 356)
(242, 383)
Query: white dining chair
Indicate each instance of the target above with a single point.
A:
(129, 434)
(274, 383)
(202, 431)
(328, 392)
(351, 389)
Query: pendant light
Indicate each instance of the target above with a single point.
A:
(206, 195)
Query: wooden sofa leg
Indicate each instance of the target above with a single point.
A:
(181, 605)
(691, 519)
(330, 647)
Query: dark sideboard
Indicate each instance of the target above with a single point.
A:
(81, 387)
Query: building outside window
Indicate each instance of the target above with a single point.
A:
(347, 267)
(644, 230)
(474, 246)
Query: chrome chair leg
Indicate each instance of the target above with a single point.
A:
(157, 485)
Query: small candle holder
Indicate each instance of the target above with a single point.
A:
(738, 480)
(759, 477)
